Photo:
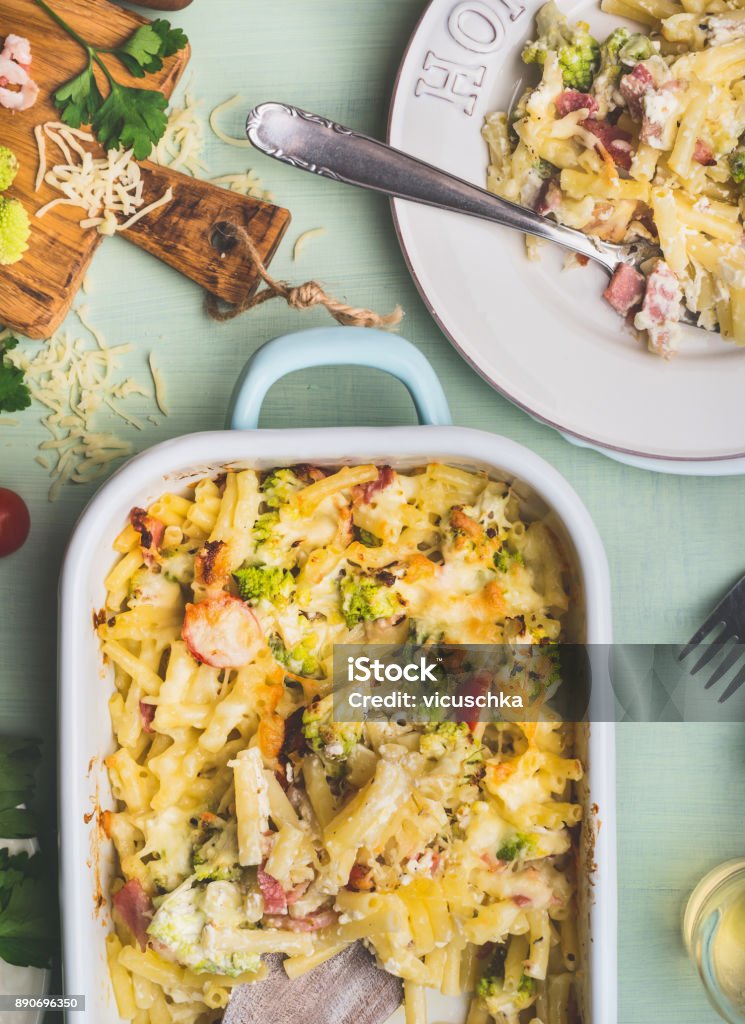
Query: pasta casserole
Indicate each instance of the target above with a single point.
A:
(247, 820)
(640, 138)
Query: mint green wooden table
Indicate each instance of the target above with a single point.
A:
(674, 544)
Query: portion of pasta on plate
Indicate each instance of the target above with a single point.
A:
(248, 821)
(640, 137)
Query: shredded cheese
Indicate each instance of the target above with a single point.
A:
(246, 183)
(306, 236)
(230, 140)
(158, 385)
(76, 379)
(8, 421)
(182, 144)
(106, 188)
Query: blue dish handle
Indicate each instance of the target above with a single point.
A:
(337, 346)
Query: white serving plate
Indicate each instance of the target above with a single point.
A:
(85, 738)
(542, 336)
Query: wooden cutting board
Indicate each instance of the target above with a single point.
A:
(37, 292)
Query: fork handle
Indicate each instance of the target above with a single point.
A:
(315, 144)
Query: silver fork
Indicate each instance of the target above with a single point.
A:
(728, 620)
(313, 143)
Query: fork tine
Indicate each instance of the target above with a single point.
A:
(713, 622)
(734, 686)
(733, 656)
(711, 649)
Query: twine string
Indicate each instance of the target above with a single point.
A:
(302, 296)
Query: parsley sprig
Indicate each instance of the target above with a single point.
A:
(14, 392)
(127, 117)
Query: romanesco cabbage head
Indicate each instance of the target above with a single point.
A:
(14, 230)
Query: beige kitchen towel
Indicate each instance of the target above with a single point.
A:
(348, 989)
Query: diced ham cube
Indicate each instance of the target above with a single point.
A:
(147, 714)
(549, 199)
(702, 153)
(135, 908)
(660, 310)
(625, 289)
(614, 140)
(634, 86)
(311, 923)
(571, 100)
(275, 898)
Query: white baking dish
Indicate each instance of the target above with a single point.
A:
(85, 686)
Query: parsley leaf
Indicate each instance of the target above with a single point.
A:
(127, 118)
(14, 392)
(25, 936)
(79, 99)
(131, 119)
(143, 53)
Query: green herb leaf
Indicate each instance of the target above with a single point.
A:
(140, 54)
(14, 392)
(143, 53)
(26, 939)
(18, 823)
(79, 99)
(172, 39)
(131, 119)
(19, 759)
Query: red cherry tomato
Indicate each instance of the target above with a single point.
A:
(15, 522)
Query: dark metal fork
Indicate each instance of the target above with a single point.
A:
(727, 621)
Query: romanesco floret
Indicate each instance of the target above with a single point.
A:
(515, 848)
(491, 988)
(301, 659)
(737, 165)
(610, 49)
(577, 51)
(278, 487)
(637, 47)
(263, 531)
(8, 167)
(363, 599)
(491, 982)
(14, 231)
(504, 559)
(332, 741)
(440, 738)
(267, 582)
(179, 924)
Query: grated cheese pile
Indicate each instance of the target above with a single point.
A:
(107, 188)
(183, 144)
(77, 380)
